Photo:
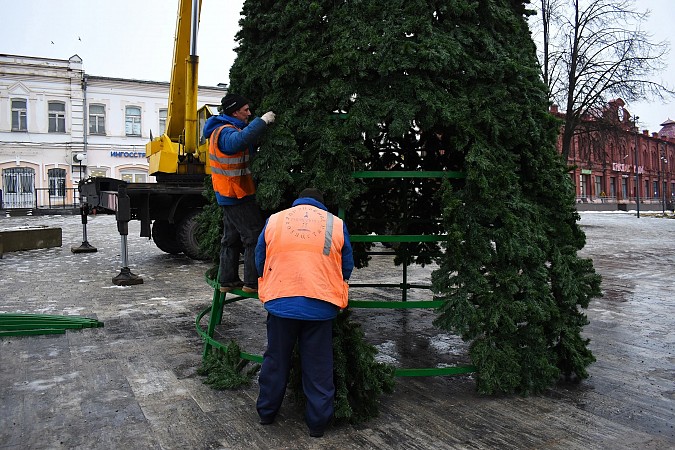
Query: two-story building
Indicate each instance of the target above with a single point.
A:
(613, 161)
(59, 125)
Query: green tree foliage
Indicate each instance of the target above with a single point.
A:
(210, 229)
(359, 380)
(432, 84)
(225, 369)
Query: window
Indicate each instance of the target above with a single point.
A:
(133, 176)
(57, 182)
(583, 185)
(18, 185)
(133, 121)
(96, 119)
(98, 172)
(57, 117)
(162, 121)
(598, 186)
(19, 116)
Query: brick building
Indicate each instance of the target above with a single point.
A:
(605, 160)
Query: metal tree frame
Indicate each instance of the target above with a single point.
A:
(220, 299)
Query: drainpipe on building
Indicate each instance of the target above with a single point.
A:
(637, 161)
(85, 124)
(85, 115)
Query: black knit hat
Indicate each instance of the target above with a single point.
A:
(232, 102)
(311, 193)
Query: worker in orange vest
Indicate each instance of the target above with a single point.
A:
(232, 144)
(304, 259)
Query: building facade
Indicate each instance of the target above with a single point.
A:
(618, 163)
(59, 125)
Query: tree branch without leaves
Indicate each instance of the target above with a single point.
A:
(593, 51)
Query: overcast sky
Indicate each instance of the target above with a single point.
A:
(134, 39)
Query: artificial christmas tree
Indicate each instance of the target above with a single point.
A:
(432, 85)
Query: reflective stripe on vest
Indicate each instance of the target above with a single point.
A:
(304, 256)
(230, 174)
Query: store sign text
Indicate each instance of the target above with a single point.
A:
(127, 154)
(626, 168)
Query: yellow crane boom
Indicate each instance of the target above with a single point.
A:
(178, 150)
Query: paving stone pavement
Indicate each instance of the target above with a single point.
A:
(133, 383)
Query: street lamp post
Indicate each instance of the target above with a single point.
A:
(637, 161)
(664, 182)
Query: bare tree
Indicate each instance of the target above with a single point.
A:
(592, 51)
(548, 57)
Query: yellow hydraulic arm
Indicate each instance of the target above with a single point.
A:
(177, 151)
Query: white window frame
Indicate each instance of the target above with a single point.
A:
(97, 119)
(19, 115)
(163, 113)
(57, 182)
(57, 117)
(134, 175)
(98, 172)
(132, 122)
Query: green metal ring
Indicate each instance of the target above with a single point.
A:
(406, 372)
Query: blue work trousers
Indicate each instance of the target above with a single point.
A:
(242, 224)
(315, 343)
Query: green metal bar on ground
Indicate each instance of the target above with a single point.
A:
(23, 324)
(398, 238)
(407, 174)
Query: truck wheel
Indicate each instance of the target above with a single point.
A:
(186, 232)
(164, 235)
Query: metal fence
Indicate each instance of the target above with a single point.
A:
(44, 198)
(57, 198)
(608, 199)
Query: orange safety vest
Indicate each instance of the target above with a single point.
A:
(230, 174)
(304, 256)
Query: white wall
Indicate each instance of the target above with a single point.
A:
(40, 80)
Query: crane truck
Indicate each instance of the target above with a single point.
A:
(178, 159)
